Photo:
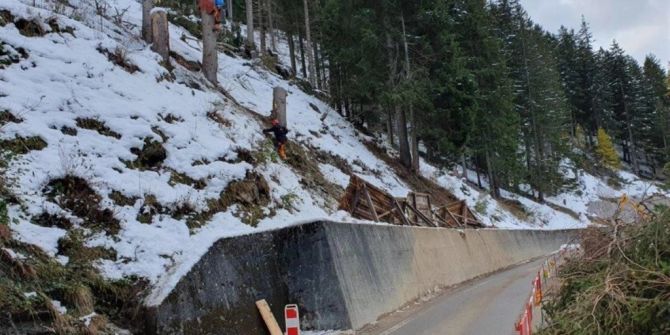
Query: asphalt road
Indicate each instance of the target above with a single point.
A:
(485, 306)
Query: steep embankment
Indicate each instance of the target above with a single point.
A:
(118, 162)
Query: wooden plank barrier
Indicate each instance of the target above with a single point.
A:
(366, 201)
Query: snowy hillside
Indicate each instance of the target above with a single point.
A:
(92, 114)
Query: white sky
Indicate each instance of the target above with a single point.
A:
(639, 26)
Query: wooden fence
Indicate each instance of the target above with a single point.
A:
(366, 201)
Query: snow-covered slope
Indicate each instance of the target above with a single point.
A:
(67, 79)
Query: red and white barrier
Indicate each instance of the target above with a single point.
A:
(549, 269)
(292, 318)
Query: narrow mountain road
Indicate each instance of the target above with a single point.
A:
(485, 306)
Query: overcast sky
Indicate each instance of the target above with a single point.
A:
(639, 26)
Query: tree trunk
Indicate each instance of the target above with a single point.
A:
(493, 186)
(147, 6)
(250, 27)
(229, 9)
(414, 152)
(632, 151)
(160, 35)
(317, 66)
(308, 41)
(273, 37)
(389, 127)
(479, 177)
(464, 165)
(405, 155)
(302, 54)
(210, 62)
(291, 51)
(262, 25)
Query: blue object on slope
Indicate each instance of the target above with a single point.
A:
(220, 3)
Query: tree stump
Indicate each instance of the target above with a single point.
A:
(147, 6)
(210, 57)
(161, 34)
(279, 105)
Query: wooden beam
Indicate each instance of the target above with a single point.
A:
(464, 212)
(420, 215)
(268, 317)
(370, 204)
(401, 213)
(354, 205)
(386, 213)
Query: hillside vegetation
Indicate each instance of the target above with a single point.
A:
(119, 170)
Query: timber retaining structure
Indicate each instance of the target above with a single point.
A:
(342, 276)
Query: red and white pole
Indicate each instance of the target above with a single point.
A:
(292, 318)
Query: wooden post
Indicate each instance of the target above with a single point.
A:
(160, 34)
(464, 212)
(370, 203)
(401, 213)
(268, 317)
(279, 105)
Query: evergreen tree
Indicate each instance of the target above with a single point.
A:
(495, 140)
(657, 103)
(538, 96)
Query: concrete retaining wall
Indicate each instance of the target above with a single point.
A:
(343, 276)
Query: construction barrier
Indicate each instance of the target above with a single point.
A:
(292, 318)
(548, 270)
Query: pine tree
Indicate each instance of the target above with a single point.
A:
(538, 96)
(606, 152)
(657, 104)
(495, 140)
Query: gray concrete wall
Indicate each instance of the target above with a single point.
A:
(381, 268)
(341, 275)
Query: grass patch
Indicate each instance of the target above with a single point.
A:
(251, 195)
(56, 28)
(306, 165)
(6, 116)
(73, 246)
(171, 118)
(76, 285)
(97, 125)
(5, 17)
(50, 220)
(150, 156)
(74, 193)
(216, 117)
(122, 200)
(181, 178)
(150, 207)
(29, 28)
(22, 146)
(68, 131)
(119, 57)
